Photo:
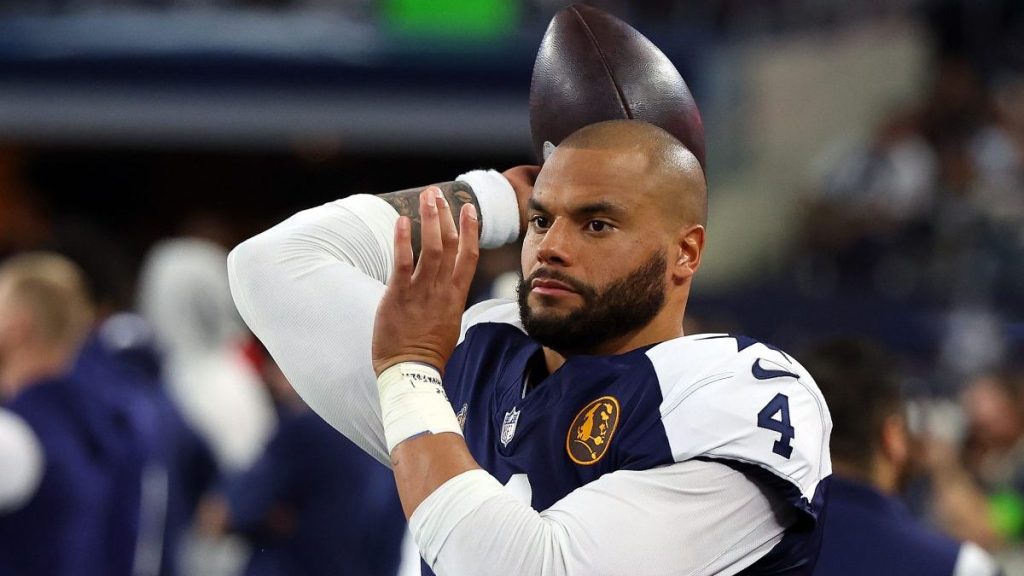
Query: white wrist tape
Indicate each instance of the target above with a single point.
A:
(412, 402)
(499, 208)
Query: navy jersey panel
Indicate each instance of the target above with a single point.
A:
(868, 532)
(539, 429)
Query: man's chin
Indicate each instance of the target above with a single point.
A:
(548, 312)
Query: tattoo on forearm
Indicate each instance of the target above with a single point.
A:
(407, 203)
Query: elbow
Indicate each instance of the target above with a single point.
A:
(241, 260)
(248, 265)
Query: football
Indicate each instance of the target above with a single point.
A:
(593, 67)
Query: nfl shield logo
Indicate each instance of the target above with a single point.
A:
(508, 426)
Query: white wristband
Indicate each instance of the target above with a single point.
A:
(412, 402)
(499, 207)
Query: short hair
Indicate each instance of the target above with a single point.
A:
(52, 290)
(675, 161)
(861, 386)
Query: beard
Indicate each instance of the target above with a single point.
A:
(624, 306)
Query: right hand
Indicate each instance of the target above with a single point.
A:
(522, 179)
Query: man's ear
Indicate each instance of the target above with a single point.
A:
(689, 248)
(895, 441)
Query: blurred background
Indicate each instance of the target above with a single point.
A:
(866, 169)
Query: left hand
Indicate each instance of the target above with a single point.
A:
(420, 316)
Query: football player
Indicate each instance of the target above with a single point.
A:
(577, 430)
(870, 531)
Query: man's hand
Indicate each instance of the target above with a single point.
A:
(522, 179)
(420, 316)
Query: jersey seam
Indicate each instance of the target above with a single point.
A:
(760, 465)
(706, 381)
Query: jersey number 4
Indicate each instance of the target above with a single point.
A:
(766, 419)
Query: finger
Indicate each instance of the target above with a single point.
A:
(449, 237)
(401, 275)
(431, 248)
(469, 248)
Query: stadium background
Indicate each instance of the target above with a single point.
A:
(866, 161)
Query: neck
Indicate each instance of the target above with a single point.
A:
(882, 476)
(25, 368)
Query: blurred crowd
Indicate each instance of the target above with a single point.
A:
(166, 441)
(926, 217)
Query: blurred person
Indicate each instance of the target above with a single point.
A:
(82, 518)
(624, 447)
(180, 466)
(184, 295)
(994, 449)
(995, 422)
(869, 531)
(313, 503)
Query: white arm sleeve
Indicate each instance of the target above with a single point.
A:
(309, 289)
(21, 460)
(688, 518)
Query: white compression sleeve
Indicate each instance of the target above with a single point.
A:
(309, 289)
(688, 518)
(21, 459)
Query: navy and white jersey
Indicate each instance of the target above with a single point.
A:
(714, 397)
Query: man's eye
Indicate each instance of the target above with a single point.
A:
(598, 226)
(539, 222)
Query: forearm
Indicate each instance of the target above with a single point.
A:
(424, 463)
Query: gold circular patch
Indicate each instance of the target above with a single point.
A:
(591, 431)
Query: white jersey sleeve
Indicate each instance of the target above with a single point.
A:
(688, 518)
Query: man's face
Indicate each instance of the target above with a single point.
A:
(594, 258)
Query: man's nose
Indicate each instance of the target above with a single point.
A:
(556, 245)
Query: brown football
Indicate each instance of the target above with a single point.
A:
(593, 67)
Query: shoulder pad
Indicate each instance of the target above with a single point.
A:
(735, 399)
